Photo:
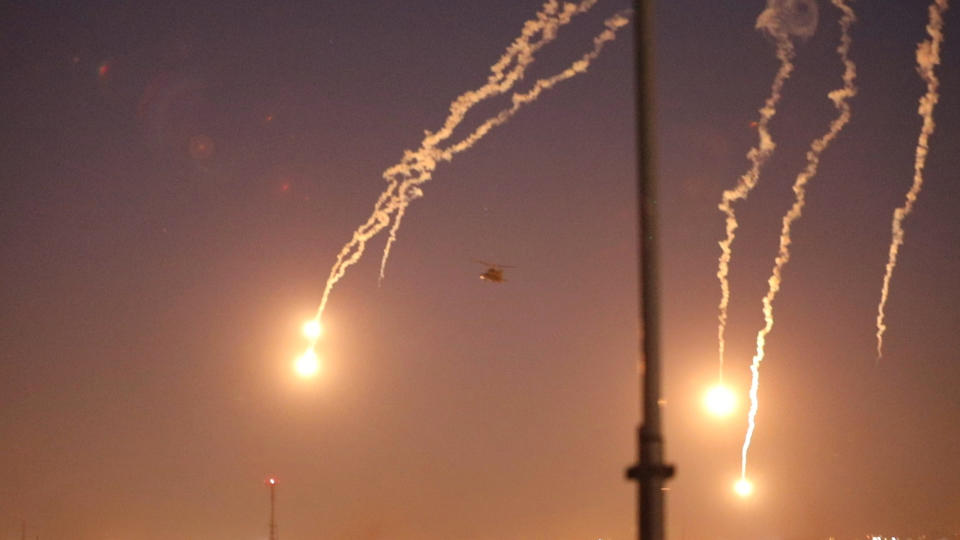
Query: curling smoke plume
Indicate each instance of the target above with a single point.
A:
(405, 178)
(781, 20)
(839, 98)
(928, 57)
(789, 17)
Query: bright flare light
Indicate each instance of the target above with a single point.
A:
(307, 364)
(743, 487)
(312, 330)
(720, 401)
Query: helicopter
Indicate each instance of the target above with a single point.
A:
(494, 273)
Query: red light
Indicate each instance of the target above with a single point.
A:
(272, 481)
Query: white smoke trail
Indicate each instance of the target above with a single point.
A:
(928, 57)
(781, 20)
(839, 98)
(416, 167)
(612, 24)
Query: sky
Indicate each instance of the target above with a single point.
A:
(178, 178)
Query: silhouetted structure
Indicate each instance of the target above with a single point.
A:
(650, 471)
(272, 484)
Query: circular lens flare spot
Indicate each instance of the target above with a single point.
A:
(307, 364)
(743, 487)
(720, 401)
(312, 329)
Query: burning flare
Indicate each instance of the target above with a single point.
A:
(743, 487)
(720, 401)
(307, 364)
(839, 98)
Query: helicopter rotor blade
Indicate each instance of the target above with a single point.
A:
(493, 265)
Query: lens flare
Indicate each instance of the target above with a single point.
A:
(743, 488)
(720, 401)
(307, 365)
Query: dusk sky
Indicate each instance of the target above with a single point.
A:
(177, 179)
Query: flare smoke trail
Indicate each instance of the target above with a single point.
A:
(518, 100)
(416, 167)
(781, 19)
(928, 57)
(839, 98)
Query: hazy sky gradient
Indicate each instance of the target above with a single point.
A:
(151, 297)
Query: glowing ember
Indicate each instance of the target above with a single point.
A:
(307, 364)
(201, 147)
(720, 401)
(312, 329)
(743, 487)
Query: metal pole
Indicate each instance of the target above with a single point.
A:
(651, 472)
(273, 501)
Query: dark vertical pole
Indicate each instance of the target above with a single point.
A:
(273, 520)
(650, 472)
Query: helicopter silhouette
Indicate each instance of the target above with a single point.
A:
(494, 272)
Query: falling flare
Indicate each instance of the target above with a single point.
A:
(720, 401)
(776, 21)
(743, 487)
(928, 57)
(416, 167)
(307, 364)
(312, 329)
(839, 98)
